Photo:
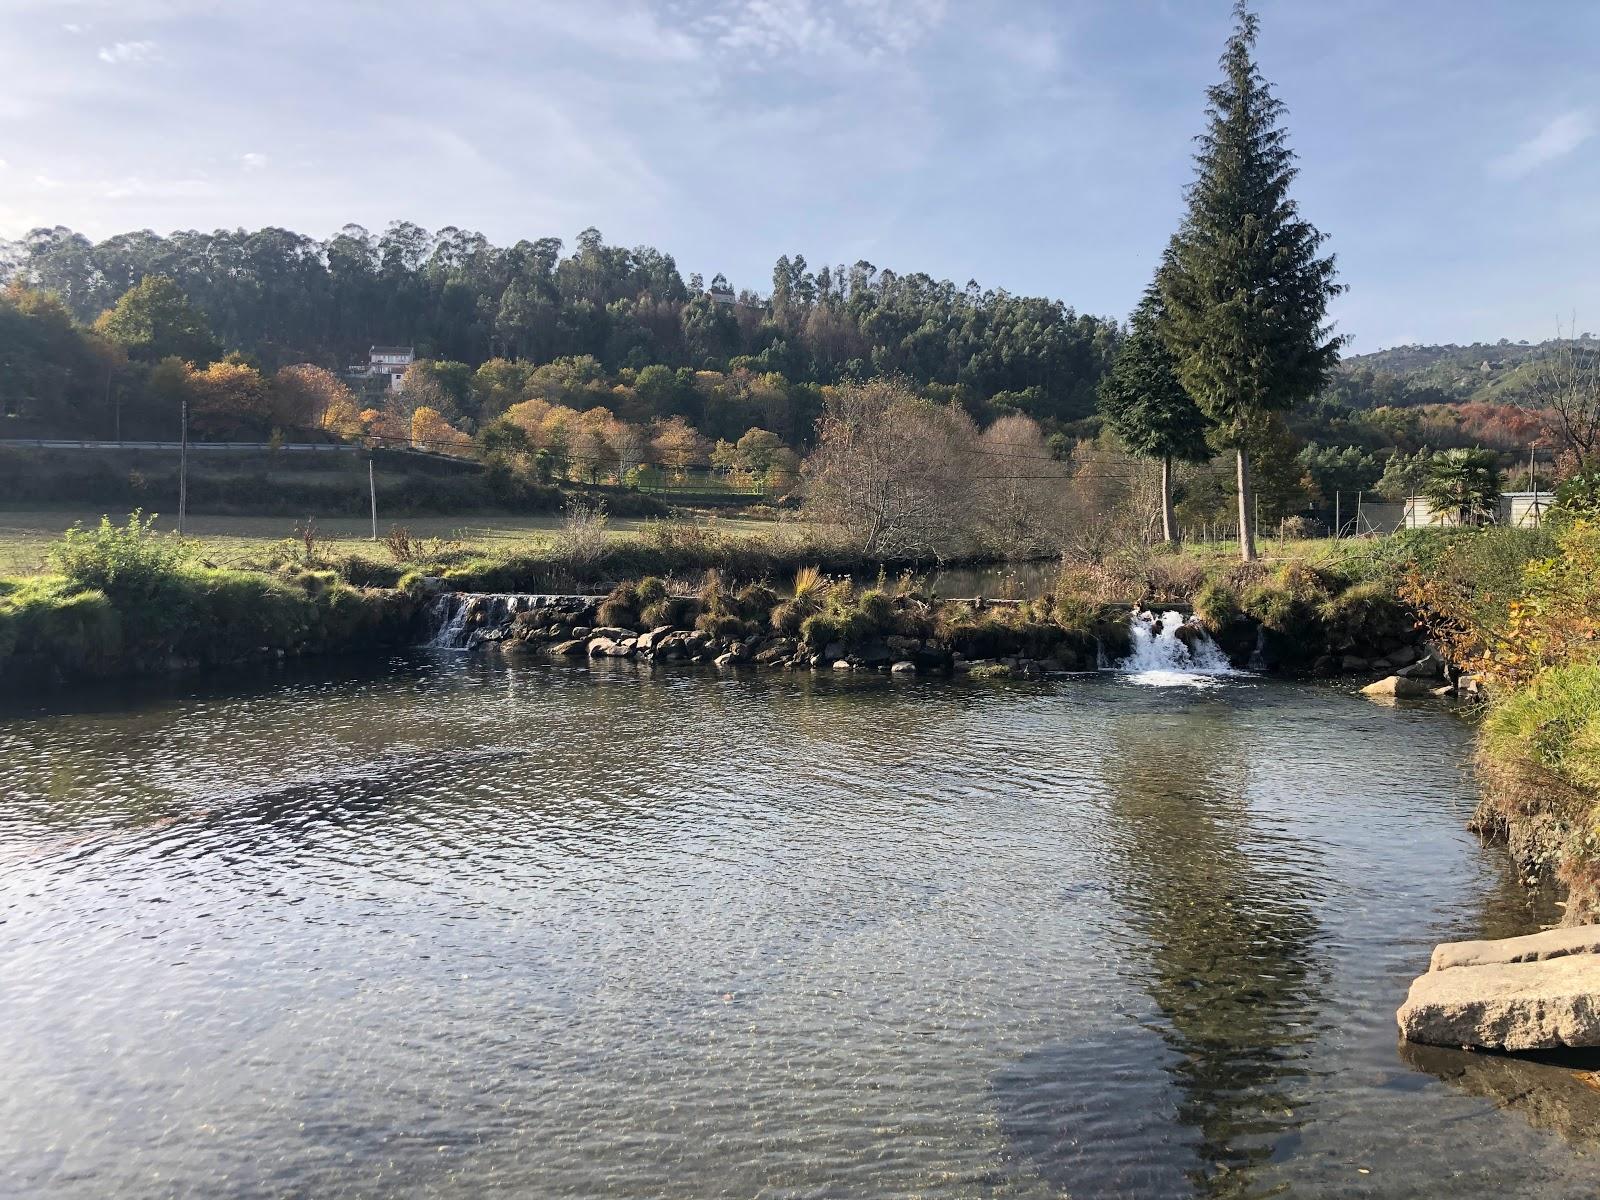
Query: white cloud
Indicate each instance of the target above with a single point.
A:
(854, 30)
(1556, 140)
(252, 161)
(127, 52)
(3, 164)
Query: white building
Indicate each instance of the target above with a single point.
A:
(385, 362)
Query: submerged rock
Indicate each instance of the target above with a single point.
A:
(1561, 1096)
(1519, 1005)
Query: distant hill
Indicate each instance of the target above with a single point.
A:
(1482, 372)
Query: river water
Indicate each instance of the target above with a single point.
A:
(451, 927)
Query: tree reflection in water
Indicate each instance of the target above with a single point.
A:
(1196, 1096)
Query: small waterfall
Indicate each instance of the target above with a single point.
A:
(1170, 650)
(447, 618)
(462, 620)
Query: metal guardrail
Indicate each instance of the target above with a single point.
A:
(79, 444)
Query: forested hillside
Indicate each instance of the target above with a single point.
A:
(280, 297)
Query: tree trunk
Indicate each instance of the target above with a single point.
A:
(1247, 531)
(1169, 525)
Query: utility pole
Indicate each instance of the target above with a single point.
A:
(118, 409)
(372, 491)
(183, 469)
(1533, 486)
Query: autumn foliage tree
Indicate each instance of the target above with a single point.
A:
(430, 431)
(310, 397)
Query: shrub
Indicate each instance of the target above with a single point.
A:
(59, 627)
(722, 625)
(128, 561)
(679, 611)
(1216, 603)
(649, 590)
(581, 540)
(1366, 614)
(789, 616)
(1275, 607)
(820, 630)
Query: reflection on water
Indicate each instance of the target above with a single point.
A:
(461, 928)
(1556, 1092)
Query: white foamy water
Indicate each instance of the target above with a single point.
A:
(1161, 658)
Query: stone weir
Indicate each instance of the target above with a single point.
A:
(569, 626)
(465, 620)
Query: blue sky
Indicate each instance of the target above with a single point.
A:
(1450, 148)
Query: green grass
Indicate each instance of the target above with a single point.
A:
(1553, 724)
(229, 541)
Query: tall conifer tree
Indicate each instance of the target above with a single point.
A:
(1245, 293)
(1148, 408)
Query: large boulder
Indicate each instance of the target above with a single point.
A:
(1536, 1005)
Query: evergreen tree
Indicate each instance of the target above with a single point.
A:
(1245, 293)
(1147, 407)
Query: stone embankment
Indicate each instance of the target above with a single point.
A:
(1539, 992)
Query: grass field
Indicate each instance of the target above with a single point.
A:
(231, 541)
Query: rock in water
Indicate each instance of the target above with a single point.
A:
(1539, 1005)
(1399, 687)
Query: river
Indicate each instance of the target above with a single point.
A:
(442, 926)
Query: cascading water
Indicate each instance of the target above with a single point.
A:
(447, 618)
(1169, 651)
(459, 620)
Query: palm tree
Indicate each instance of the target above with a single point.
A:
(1463, 486)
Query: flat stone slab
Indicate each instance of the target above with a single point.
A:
(1531, 1005)
(1535, 947)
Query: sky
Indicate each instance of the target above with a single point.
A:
(1450, 149)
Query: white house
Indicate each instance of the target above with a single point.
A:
(385, 362)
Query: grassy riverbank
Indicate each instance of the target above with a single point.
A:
(253, 542)
(130, 598)
(122, 599)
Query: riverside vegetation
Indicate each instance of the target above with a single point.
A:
(1521, 609)
(123, 598)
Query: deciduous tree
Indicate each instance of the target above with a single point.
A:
(154, 320)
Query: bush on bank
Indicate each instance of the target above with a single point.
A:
(126, 599)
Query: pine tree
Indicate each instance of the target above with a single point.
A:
(1148, 408)
(1246, 295)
